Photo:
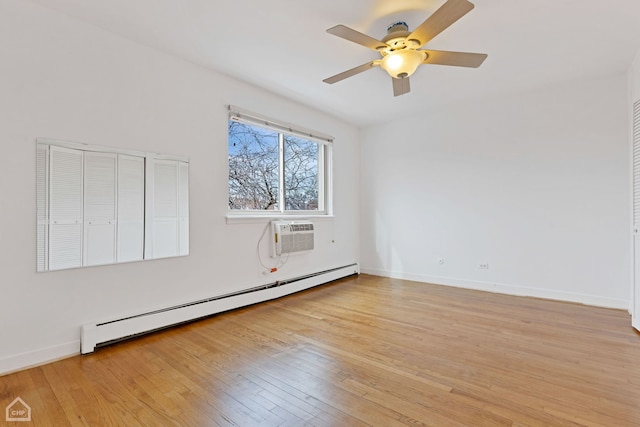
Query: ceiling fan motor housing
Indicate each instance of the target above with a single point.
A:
(397, 26)
(396, 35)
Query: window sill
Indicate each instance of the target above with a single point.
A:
(261, 219)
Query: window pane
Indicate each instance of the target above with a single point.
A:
(300, 174)
(253, 167)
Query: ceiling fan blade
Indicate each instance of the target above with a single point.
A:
(352, 72)
(400, 86)
(458, 59)
(441, 19)
(356, 37)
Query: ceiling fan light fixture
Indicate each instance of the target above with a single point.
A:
(402, 63)
(400, 50)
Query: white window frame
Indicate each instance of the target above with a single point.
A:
(325, 168)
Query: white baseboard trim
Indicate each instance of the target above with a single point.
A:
(22, 361)
(19, 362)
(94, 334)
(592, 300)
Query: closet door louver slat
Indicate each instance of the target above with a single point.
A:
(65, 208)
(99, 208)
(130, 208)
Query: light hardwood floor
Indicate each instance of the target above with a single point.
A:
(360, 351)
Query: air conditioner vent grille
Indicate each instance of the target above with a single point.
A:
(291, 237)
(297, 243)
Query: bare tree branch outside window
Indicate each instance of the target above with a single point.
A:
(253, 167)
(300, 174)
(254, 170)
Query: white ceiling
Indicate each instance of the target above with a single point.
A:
(281, 45)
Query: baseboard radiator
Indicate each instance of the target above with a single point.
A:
(105, 333)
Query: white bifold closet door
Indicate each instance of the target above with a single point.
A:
(130, 231)
(183, 208)
(97, 207)
(100, 208)
(635, 313)
(42, 207)
(65, 208)
(170, 208)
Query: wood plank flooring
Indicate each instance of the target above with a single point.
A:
(362, 351)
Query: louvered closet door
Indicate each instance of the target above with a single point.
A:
(99, 208)
(130, 234)
(183, 207)
(65, 208)
(42, 207)
(636, 214)
(165, 209)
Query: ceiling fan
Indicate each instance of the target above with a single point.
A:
(400, 49)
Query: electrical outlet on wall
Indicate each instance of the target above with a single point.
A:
(483, 266)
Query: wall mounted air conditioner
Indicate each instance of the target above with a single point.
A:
(292, 237)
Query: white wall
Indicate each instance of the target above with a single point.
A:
(634, 73)
(536, 185)
(65, 80)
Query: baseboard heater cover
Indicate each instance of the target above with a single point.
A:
(101, 334)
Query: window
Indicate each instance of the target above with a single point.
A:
(275, 168)
(99, 205)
